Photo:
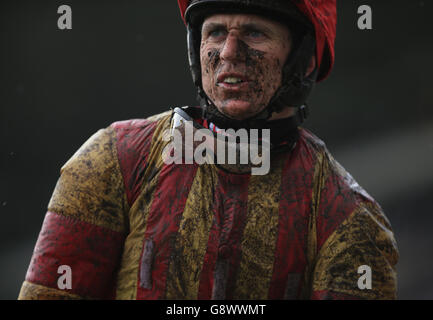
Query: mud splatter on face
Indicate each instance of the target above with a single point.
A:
(258, 62)
(214, 57)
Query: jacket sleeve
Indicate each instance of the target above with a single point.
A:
(79, 247)
(352, 252)
(358, 259)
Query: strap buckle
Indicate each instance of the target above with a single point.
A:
(303, 113)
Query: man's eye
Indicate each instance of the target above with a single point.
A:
(217, 33)
(255, 34)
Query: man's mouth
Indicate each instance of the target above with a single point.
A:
(231, 81)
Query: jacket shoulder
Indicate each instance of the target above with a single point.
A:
(330, 169)
(137, 124)
(135, 140)
(90, 187)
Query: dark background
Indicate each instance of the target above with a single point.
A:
(127, 59)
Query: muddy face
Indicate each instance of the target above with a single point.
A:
(241, 61)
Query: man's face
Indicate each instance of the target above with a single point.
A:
(242, 56)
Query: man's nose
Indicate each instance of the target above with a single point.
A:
(231, 49)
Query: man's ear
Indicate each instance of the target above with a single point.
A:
(311, 66)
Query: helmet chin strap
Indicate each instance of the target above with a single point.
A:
(259, 121)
